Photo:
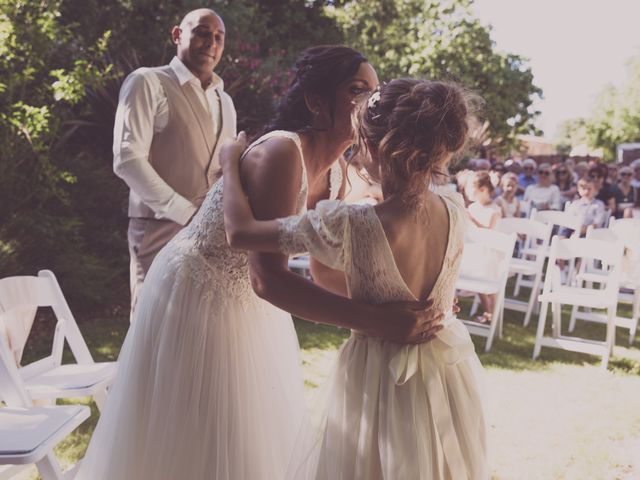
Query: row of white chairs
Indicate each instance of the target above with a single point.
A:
(28, 432)
(597, 259)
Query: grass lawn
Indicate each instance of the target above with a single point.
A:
(560, 417)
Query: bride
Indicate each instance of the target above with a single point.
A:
(209, 384)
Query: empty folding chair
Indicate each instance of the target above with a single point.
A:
(628, 234)
(484, 269)
(301, 264)
(529, 262)
(48, 378)
(557, 294)
(28, 434)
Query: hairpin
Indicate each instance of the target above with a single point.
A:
(372, 104)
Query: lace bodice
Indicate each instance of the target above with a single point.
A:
(351, 238)
(200, 250)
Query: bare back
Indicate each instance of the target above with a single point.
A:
(418, 243)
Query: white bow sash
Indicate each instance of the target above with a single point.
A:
(451, 346)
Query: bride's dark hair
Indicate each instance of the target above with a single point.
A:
(318, 70)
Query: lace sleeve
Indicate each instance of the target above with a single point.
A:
(323, 232)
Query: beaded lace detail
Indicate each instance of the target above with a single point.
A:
(351, 238)
(200, 250)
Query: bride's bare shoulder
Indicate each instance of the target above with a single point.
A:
(276, 153)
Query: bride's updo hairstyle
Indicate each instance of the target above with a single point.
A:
(318, 70)
(415, 128)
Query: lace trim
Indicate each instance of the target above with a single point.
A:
(335, 180)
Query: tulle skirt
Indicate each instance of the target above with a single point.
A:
(209, 387)
(397, 412)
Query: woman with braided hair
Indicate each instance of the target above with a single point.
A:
(393, 410)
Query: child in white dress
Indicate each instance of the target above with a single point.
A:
(507, 201)
(484, 213)
(394, 411)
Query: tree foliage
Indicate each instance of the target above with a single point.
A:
(571, 133)
(62, 63)
(615, 117)
(443, 40)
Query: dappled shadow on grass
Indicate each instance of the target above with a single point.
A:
(103, 335)
(515, 349)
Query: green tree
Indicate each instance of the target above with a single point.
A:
(615, 117)
(570, 133)
(442, 39)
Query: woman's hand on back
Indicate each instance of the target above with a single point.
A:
(408, 322)
(232, 150)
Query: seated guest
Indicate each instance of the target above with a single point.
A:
(634, 210)
(612, 173)
(590, 210)
(604, 191)
(484, 213)
(571, 166)
(527, 177)
(564, 181)
(623, 191)
(635, 166)
(507, 201)
(513, 166)
(497, 171)
(581, 170)
(543, 195)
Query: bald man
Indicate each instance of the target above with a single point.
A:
(170, 124)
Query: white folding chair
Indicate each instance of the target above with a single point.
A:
(484, 269)
(28, 434)
(529, 263)
(525, 208)
(301, 264)
(559, 219)
(47, 378)
(556, 293)
(628, 234)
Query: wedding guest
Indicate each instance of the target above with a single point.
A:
(604, 191)
(612, 173)
(623, 191)
(635, 166)
(564, 181)
(479, 164)
(581, 170)
(170, 123)
(543, 195)
(634, 210)
(507, 201)
(590, 209)
(591, 212)
(496, 172)
(513, 166)
(527, 177)
(571, 166)
(484, 213)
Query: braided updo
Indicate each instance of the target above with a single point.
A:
(415, 127)
(319, 70)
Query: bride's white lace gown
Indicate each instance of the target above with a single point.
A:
(209, 383)
(392, 412)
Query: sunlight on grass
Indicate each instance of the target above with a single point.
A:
(560, 417)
